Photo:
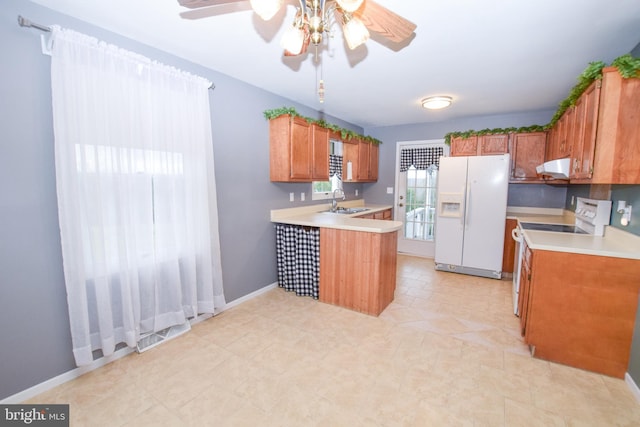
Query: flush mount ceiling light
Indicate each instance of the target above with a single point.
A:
(314, 18)
(436, 102)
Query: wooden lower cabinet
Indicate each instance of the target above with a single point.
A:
(358, 269)
(580, 310)
(385, 215)
(509, 251)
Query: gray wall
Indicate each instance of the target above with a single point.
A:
(35, 343)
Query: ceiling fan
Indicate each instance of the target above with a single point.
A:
(313, 19)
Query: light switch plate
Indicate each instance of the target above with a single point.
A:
(389, 190)
(292, 197)
(302, 196)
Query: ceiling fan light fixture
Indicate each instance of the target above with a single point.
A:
(293, 40)
(266, 9)
(349, 5)
(355, 32)
(436, 102)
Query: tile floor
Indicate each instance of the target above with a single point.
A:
(446, 352)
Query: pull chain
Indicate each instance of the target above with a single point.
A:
(321, 82)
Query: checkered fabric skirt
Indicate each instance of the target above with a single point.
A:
(298, 256)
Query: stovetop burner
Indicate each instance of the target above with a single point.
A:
(561, 228)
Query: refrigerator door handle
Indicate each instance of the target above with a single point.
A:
(467, 204)
(463, 204)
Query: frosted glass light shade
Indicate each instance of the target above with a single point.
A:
(355, 33)
(266, 9)
(350, 5)
(436, 102)
(293, 40)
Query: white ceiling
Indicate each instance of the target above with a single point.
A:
(491, 56)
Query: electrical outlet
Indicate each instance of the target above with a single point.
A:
(302, 196)
(292, 197)
(573, 200)
(389, 190)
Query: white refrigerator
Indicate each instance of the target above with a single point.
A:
(470, 214)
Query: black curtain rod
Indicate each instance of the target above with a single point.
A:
(24, 22)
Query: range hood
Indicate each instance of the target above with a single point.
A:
(558, 168)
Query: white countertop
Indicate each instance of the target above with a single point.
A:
(316, 216)
(615, 242)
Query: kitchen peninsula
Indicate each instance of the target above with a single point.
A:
(358, 255)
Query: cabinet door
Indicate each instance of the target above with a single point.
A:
(464, 146)
(350, 155)
(374, 152)
(509, 250)
(301, 149)
(566, 134)
(494, 144)
(527, 152)
(586, 120)
(363, 161)
(320, 164)
(552, 142)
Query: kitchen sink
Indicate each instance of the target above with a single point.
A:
(347, 211)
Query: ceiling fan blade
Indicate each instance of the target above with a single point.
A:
(384, 22)
(196, 4)
(216, 10)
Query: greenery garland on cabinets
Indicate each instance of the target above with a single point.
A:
(496, 131)
(628, 67)
(346, 134)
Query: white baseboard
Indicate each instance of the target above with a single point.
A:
(63, 378)
(247, 297)
(98, 363)
(632, 386)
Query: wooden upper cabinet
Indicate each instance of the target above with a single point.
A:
(566, 134)
(464, 146)
(584, 132)
(483, 145)
(617, 144)
(527, 152)
(290, 149)
(349, 156)
(493, 144)
(320, 157)
(374, 153)
(363, 161)
(559, 140)
(299, 151)
(363, 156)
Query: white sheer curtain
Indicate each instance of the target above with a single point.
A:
(136, 194)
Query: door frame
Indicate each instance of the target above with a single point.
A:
(412, 247)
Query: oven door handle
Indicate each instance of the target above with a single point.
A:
(516, 235)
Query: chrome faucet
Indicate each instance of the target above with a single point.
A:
(334, 202)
